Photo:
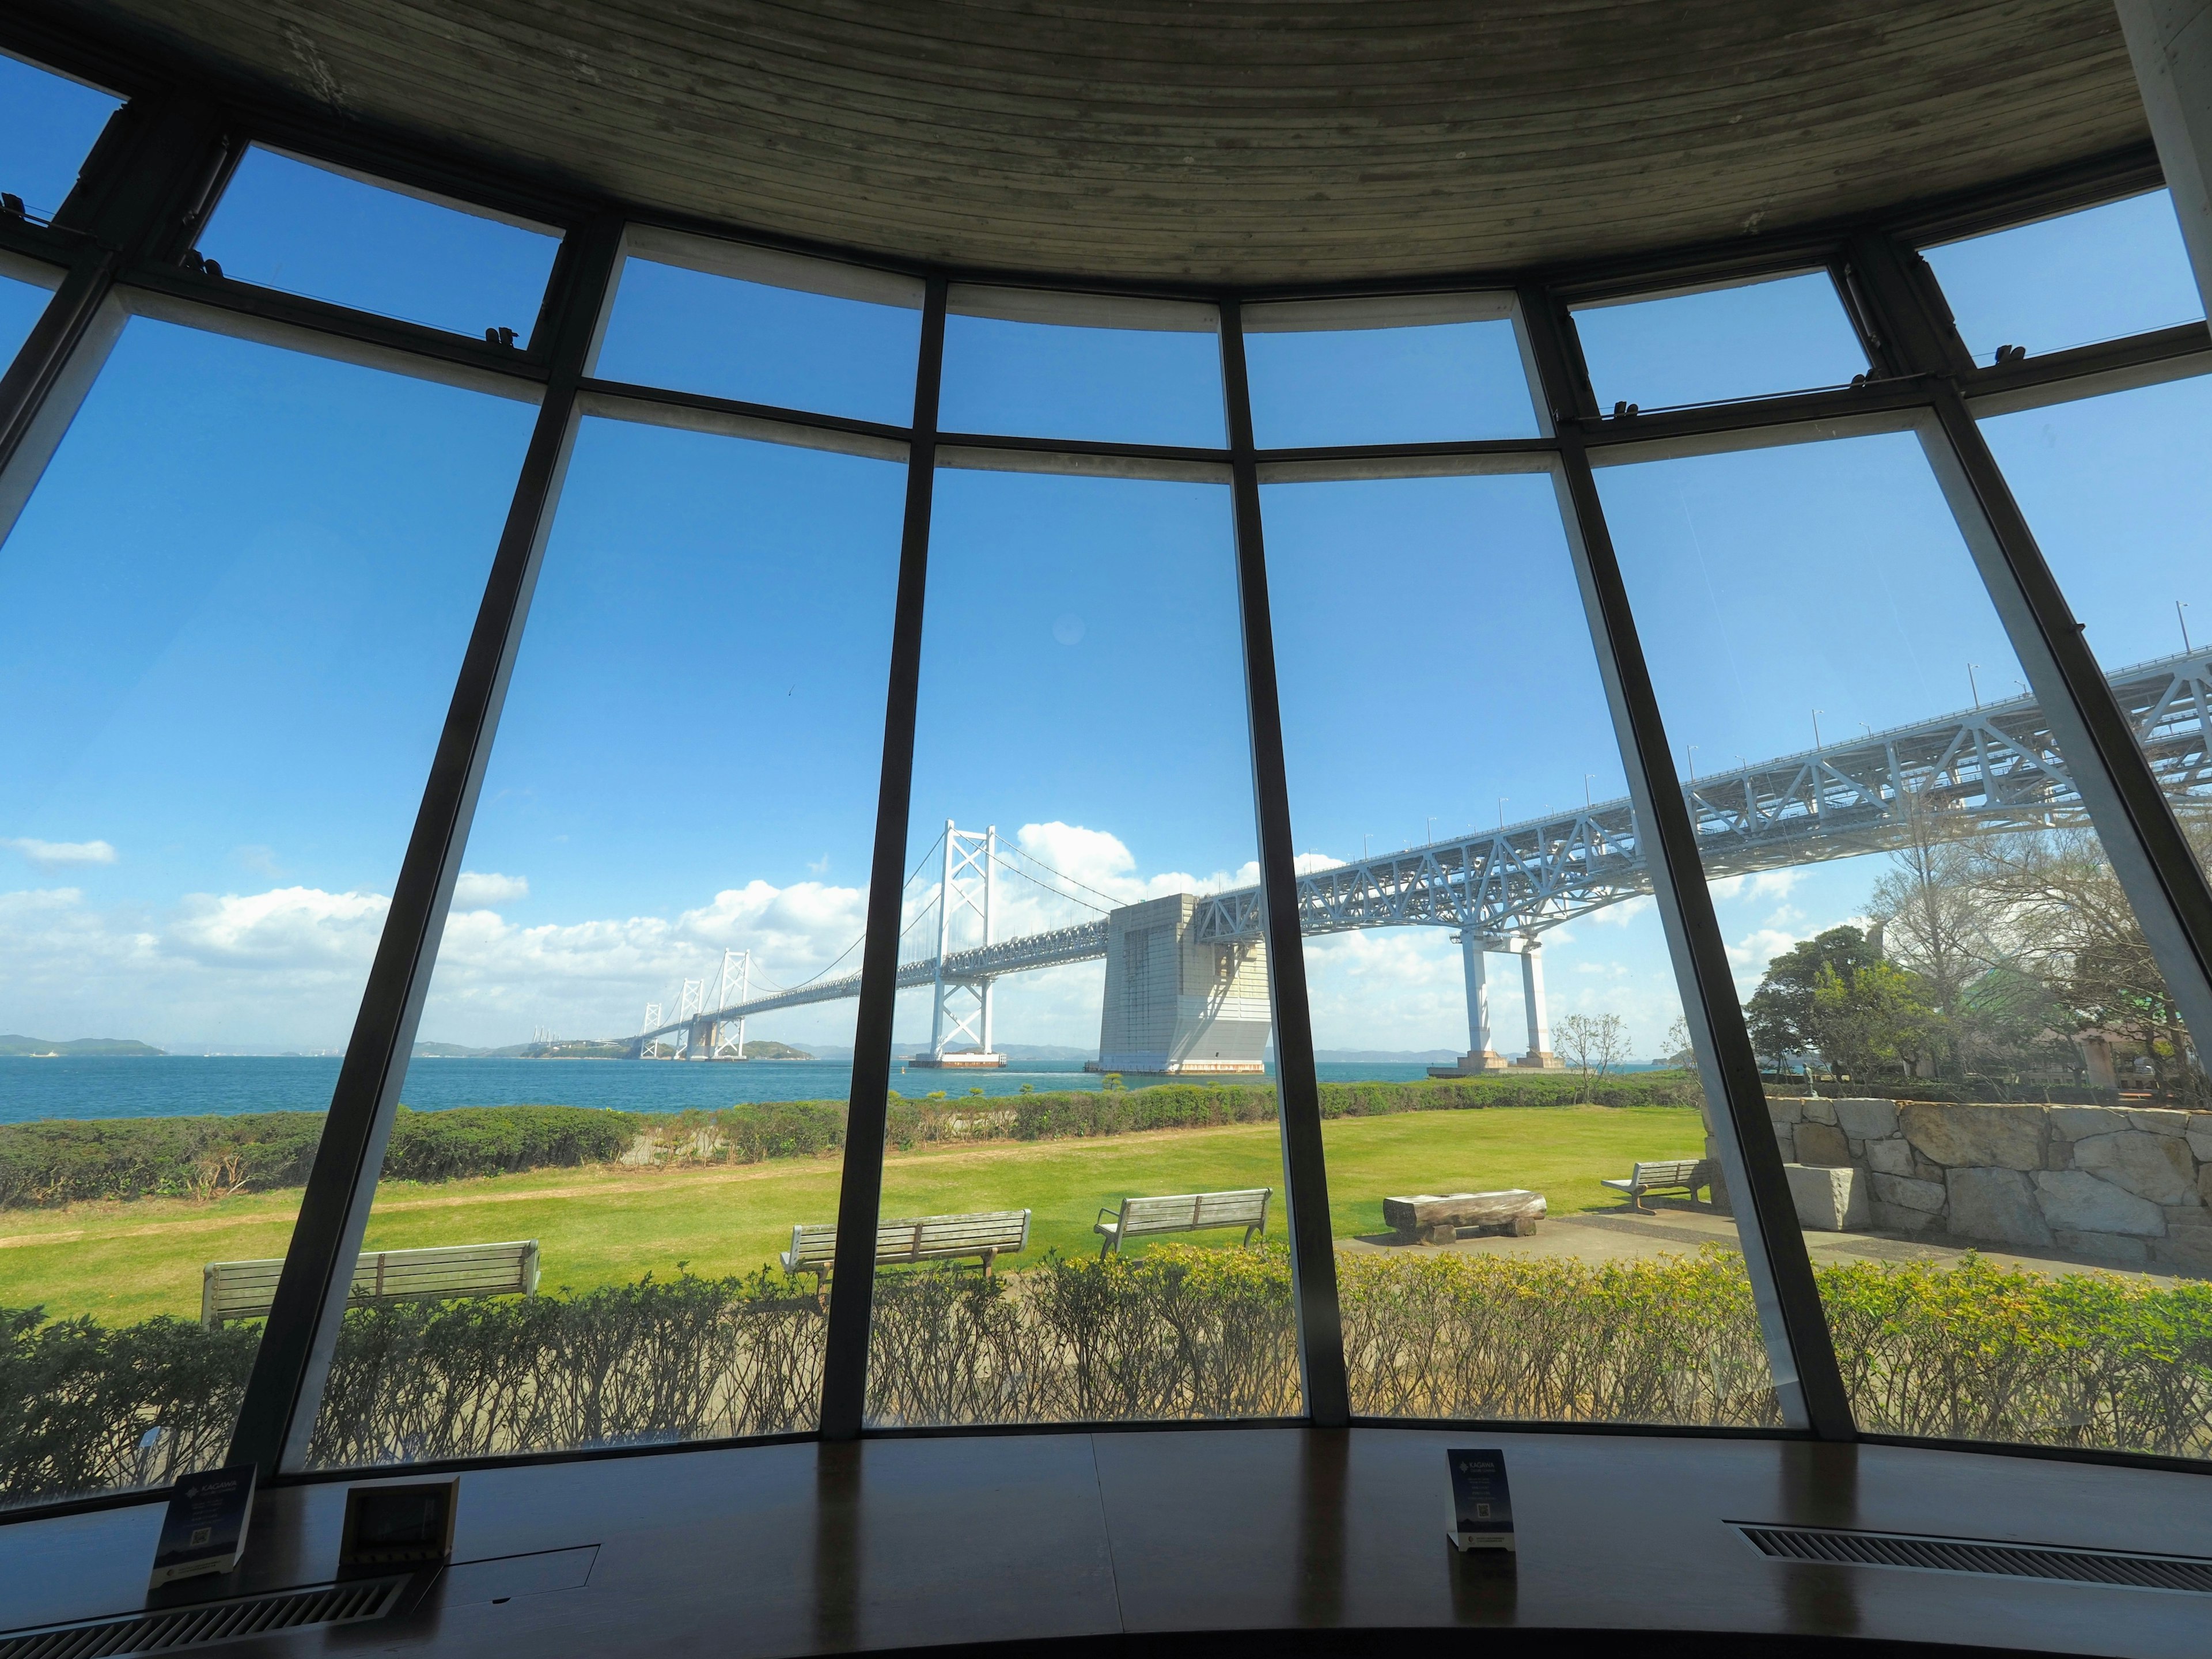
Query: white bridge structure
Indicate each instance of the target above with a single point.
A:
(1186, 975)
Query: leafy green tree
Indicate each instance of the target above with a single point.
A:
(1878, 1017)
(1780, 1012)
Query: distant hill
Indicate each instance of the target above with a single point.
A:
(40, 1046)
(1384, 1056)
(582, 1049)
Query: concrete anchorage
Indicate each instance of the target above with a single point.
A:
(1177, 1005)
(1481, 1058)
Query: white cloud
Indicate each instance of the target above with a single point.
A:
(1621, 915)
(1766, 883)
(482, 889)
(61, 855)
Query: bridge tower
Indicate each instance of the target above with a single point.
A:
(736, 986)
(962, 1007)
(1177, 1005)
(1480, 1057)
(649, 1047)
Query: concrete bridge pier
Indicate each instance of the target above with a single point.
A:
(1481, 1058)
(1177, 1005)
(1540, 1057)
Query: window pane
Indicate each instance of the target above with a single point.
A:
(676, 825)
(1477, 939)
(2119, 497)
(1786, 335)
(250, 619)
(2113, 270)
(1962, 1021)
(48, 124)
(1076, 366)
(1087, 862)
(1362, 372)
(764, 328)
(20, 304)
(310, 230)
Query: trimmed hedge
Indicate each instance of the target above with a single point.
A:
(65, 1162)
(1972, 1352)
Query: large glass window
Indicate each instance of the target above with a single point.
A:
(1386, 371)
(1781, 334)
(2112, 271)
(1082, 1187)
(1481, 934)
(764, 327)
(48, 124)
(248, 621)
(310, 229)
(1076, 366)
(635, 1061)
(1971, 1057)
(2119, 497)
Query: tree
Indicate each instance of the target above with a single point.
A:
(1593, 1044)
(1780, 1012)
(1877, 1017)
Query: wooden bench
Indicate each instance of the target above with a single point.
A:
(922, 1238)
(1681, 1175)
(1428, 1218)
(244, 1289)
(1185, 1213)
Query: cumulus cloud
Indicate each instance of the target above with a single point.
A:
(61, 855)
(482, 889)
(1623, 914)
(1766, 883)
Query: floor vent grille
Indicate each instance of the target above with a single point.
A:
(172, 1628)
(1893, 1549)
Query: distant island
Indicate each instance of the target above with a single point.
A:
(22, 1047)
(582, 1049)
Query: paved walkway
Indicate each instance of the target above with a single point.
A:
(1623, 1235)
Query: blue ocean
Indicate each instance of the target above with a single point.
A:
(189, 1085)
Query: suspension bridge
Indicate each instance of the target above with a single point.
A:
(1185, 977)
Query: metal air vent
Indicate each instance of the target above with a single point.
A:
(170, 1629)
(1975, 1555)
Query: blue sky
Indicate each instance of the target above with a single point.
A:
(254, 574)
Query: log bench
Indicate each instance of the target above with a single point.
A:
(244, 1289)
(1681, 1175)
(1427, 1218)
(1184, 1212)
(917, 1239)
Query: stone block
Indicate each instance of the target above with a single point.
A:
(2190, 1250)
(1897, 1219)
(2076, 1201)
(1828, 1199)
(1785, 1109)
(2158, 1120)
(1785, 1138)
(1890, 1157)
(2186, 1215)
(1924, 1170)
(2204, 1183)
(1995, 1205)
(1820, 1111)
(2150, 1166)
(1929, 1196)
(2200, 1136)
(2121, 1252)
(1821, 1143)
(2075, 1122)
(1975, 1137)
(1866, 1120)
(2059, 1154)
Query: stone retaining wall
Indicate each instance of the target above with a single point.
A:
(2123, 1184)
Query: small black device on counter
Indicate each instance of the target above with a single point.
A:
(1479, 1516)
(205, 1528)
(410, 1526)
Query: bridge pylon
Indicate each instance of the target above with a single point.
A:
(962, 1010)
(735, 986)
(1481, 1058)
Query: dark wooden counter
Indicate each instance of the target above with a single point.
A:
(1288, 1535)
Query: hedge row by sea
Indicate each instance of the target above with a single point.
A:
(1975, 1351)
(63, 1162)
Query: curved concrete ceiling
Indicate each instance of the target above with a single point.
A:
(1260, 141)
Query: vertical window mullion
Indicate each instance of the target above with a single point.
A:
(1298, 1090)
(1800, 1349)
(860, 1197)
(283, 1395)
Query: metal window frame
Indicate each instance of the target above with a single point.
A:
(156, 173)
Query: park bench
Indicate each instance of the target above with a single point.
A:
(1185, 1213)
(1428, 1218)
(1681, 1175)
(244, 1289)
(922, 1238)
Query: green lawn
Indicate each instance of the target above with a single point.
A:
(600, 1226)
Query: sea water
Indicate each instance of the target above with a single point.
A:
(191, 1085)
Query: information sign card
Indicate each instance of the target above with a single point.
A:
(205, 1528)
(1480, 1513)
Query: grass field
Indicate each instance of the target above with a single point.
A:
(607, 1225)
